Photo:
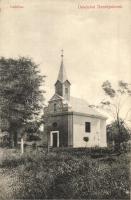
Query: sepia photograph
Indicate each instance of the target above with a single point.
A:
(65, 99)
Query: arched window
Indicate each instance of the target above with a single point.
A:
(54, 107)
(66, 90)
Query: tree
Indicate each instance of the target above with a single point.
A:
(33, 126)
(113, 134)
(21, 98)
(86, 139)
(32, 130)
(116, 99)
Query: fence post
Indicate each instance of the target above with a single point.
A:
(22, 145)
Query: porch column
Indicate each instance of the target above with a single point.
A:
(51, 139)
(57, 138)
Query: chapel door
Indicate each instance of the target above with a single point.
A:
(55, 139)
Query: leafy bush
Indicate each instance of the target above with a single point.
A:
(33, 138)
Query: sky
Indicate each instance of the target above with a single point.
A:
(96, 41)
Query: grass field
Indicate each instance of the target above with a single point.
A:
(68, 174)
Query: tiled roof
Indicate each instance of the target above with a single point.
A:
(78, 105)
(81, 106)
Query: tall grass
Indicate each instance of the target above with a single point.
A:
(64, 174)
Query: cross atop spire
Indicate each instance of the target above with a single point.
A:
(62, 52)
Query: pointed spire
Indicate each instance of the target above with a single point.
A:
(62, 77)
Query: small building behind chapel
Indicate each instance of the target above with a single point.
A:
(67, 119)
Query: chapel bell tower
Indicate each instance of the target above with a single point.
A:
(62, 85)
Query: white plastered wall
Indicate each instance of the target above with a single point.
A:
(97, 136)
